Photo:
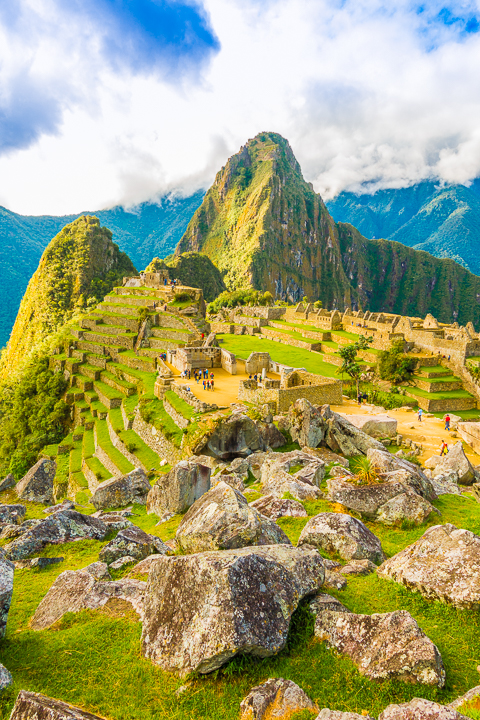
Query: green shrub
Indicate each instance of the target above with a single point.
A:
(395, 366)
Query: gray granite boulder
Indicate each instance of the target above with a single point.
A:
(37, 484)
(358, 567)
(236, 436)
(456, 461)
(5, 677)
(343, 535)
(383, 646)
(33, 706)
(326, 602)
(222, 519)
(393, 468)
(7, 482)
(275, 698)
(12, 514)
(121, 491)
(76, 590)
(444, 564)
(472, 695)
(295, 472)
(65, 526)
(327, 714)
(420, 709)
(379, 425)
(275, 508)
(6, 589)
(176, 491)
(65, 505)
(133, 542)
(201, 610)
(270, 434)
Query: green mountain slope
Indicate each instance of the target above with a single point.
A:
(444, 221)
(263, 225)
(150, 229)
(194, 270)
(79, 267)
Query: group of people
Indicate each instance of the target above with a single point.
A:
(362, 398)
(446, 419)
(255, 377)
(171, 282)
(208, 382)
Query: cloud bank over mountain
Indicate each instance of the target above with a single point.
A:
(115, 101)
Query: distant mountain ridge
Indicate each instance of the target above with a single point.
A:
(149, 230)
(444, 220)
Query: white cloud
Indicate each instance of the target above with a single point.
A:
(365, 92)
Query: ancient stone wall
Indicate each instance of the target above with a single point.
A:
(269, 313)
(156, 440)
(272, 334)
(121, 447)
(229, 362)
(222, 328)
(256, 362)
(177, 418)
(328, 392)
(192, 400)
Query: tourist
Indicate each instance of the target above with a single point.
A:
(189, 374)
(365, 397)
(204, 384)
(211, 376)
(359, 398)
(420, 413)
(447, 422)
(443, 449)
(208, 384)
(188, 388)
(165, 308)
(203, 335)
(249, 377)
(154, 305)
(197, 377)
(211, 383)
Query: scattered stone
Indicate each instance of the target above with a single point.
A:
(275, 508)
(235, 481)
(6, 589)
(326, 602)
(120, 491)
(432, 462)
(340, 471)
(327, 714)
(33, 706)
(343, 535)
(270, 434)
(37, 484)
(133, 542)
(12, 514)
(296, 472)
(176, 491)
(116, 521)
(444, 564)
(457, 461)
(334, 580)
(420, 709)
(99, 570)
(145, 566)
(65, 505)
(401, 470)
(5, 678)
(7, 482)
(37, 563)
(222, 519)
(386, 645)
(65, 526)
(13, 531)
(358, 567)
(473, 694)
(405, 506)
(446, 484)
(275, 698)
(78, 590)
(201, 610)
(379, 426)
(236, 436)
(121, 562)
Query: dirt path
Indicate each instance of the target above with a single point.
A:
(429, 432)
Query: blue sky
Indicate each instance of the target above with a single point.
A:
(117, 101)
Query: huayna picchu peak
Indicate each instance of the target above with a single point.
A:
(264, 226)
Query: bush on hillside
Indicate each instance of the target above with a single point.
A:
(395, 366)
(234, 298)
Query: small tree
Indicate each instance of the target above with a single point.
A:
(395, 366)
(318, 304)
(474, 370)
(350, 365)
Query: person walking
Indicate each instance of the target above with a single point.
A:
(447, 422)
(420, 413)
(211, 383)
(208, 384)
(204, 384)
(444, 449)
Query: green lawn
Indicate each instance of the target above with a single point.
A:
(446, 395)
(103, 439)
(180, 405)
(243, 345)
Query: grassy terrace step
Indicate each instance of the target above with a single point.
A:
(103, 440)
(108, 396)
(99, 470)
(88, 444)
(180, 405)
(134, 300)
(286, 334)
(82, 382)
(91, 397)
(147, 379)
(98, 409)
(90, 371)
(135, 362)
(125, 340)
(122, 386)
(98, 361)
(127, 310)
(145, 454)
(107, 319)
(446, 395)
(75, 464)
(433, 372)
(301, 326)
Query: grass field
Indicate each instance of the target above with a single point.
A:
(93, 659)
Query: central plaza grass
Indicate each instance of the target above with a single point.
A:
(93, 659)
(243, 345)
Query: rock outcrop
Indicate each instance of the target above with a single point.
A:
(420, 709)
(222, 519)
(122, 491)
(236, 436)
(12, 514)
(275, 508)
(444, 564)
(37, 484)
(456, 461)
(343, 535)
(176, 491)
(275, 698)
(33, 706)
(201, 610)
(79, 590)
(378, 426)
(60, 527)
(6, 589)
(393, 468)
(387, 645)
(296, 472)
(133, 542)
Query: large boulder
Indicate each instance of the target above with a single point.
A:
(133, 542)
(236, 436)
(327, 714)
(201, 610)
(61, 527)
(6, 589)
(270, 434)
(383, 645)
(343, 535)
(275, 698)
(388, 502)
(176, 491)
(76, 590)
(222, 519)
(471, 696)
(420, 709)
(391, 467)
(275, 508)
(379, 426)
(444, 564)
(296, 472)
(33, 706)
(12, 514)
(456, 461)
(121, 491)
(7, 482)
(37, 484)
